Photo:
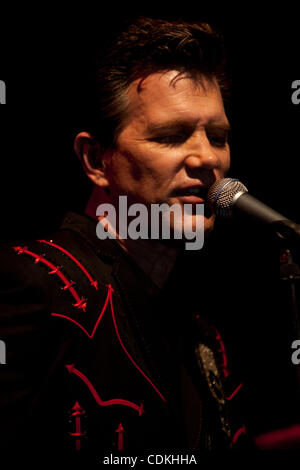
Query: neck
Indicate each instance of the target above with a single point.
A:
(157, 259)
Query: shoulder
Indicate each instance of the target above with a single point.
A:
(28, 259)
(19, 266)
(61, 259)
(42, 281)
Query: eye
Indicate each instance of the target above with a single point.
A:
(218, 139)
(173, 139)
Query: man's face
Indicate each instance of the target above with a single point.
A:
(174, 139)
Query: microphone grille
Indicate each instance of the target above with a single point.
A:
(221, 195)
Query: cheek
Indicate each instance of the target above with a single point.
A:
(224, 159)
(145, 166)
(128, 174)
(125, 165)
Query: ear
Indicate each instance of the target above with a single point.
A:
(88, 150)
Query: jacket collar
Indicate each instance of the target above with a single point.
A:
(85, 226)
(109, 249)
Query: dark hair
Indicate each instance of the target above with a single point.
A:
(142, 47)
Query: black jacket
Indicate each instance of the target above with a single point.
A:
(99, 360)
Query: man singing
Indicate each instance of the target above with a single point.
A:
(107, 350)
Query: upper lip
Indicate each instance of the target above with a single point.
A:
(193, 186)
(203, 189)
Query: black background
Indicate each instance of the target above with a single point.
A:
(43, 52)
(42, 62)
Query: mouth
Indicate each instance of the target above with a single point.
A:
(194, 195)
(199, 193)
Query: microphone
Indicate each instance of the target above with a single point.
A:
(229, 197)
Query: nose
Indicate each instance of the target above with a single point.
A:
(206, 161)
(202, 155)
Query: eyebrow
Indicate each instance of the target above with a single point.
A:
(180, 124)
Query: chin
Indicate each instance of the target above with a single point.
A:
(205, 223)
(209, 223)
(200, 224)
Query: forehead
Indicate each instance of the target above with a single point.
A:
(163, 96)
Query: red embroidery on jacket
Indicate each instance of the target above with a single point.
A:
(222, 350)
(114, 401)
(80, 303)
(234, 393)
(90, 335)
(120, 430)
(238, 433)
(93, 282)
(76, 414)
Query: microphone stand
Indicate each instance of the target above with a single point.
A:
(288, 235)
(287, 231)
(290, 274)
